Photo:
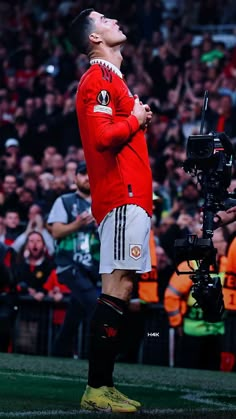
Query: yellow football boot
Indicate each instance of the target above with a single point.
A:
(121, 396)
(102, 400)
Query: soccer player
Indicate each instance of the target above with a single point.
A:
(112, 125)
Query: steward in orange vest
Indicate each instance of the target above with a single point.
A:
(199, 343)
(228, 358)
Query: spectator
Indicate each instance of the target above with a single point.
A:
(48, 153)
(26, 199)
(8, 195)
(25, 136)
(55, 289)
(188, 200)
(57, 165)
(12, 227)
(26, 164)
(35, 223)
(224, 118)
(7, 298)
(70, 170)
(26, 74)
(33, 267)
(10, 159)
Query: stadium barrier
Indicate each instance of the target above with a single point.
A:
(34, 325)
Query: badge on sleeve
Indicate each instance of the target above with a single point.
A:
(103, 97)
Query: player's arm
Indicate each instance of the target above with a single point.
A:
(101, 112)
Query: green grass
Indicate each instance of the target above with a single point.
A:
(34, 387)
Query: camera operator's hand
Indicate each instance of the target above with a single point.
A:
(223, 218)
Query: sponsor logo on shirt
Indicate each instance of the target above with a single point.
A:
(135, 251)
(103, 97)
(104, 109)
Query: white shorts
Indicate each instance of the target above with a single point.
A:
(124, 235)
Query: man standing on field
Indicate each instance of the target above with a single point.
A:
(112, 124)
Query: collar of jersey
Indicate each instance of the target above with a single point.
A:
(108, 65)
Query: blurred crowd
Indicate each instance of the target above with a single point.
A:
(169, 61)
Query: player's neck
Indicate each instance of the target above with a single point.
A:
(112, 55)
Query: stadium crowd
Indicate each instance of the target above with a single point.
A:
(169, 61)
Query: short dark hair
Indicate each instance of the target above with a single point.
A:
(80, 29)
(81, 168)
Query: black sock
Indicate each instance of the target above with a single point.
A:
(106, 323)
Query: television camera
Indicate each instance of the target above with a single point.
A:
(209, 160)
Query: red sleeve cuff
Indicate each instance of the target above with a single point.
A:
(133, 124)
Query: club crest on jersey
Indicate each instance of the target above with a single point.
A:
(103, 97)
(135, 251)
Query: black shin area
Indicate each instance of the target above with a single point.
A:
(106, 324)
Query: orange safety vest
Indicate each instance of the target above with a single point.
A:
(147, 283)
(229, 288)
(176, 295)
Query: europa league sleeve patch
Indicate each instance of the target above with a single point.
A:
(135, 251)
(103, 97)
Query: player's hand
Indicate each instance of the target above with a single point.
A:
(141, 112)
(148, 114)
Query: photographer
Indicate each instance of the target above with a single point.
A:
(75, 231)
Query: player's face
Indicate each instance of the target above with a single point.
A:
(107, 29)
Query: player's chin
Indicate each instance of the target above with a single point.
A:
(123, 37)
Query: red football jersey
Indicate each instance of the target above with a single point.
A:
(114, 145)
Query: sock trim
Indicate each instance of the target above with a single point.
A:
(111, 304)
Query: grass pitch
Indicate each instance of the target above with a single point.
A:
(33, 387)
